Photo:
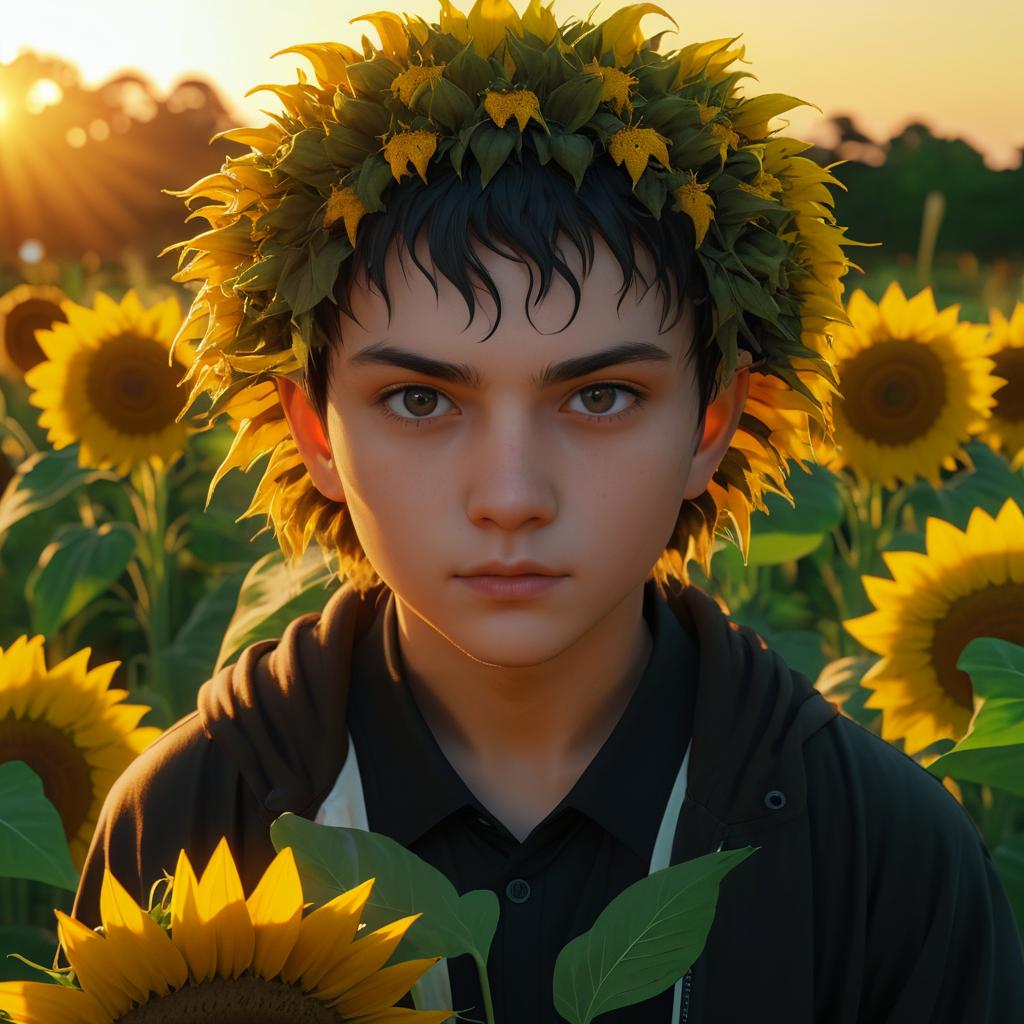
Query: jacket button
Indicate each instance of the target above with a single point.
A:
(518, 890)
(775, 799)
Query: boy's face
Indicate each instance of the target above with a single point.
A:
(506, 468)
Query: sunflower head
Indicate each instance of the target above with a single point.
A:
(23, 311)
(915, 385)
(464, 96)
(110, 384)
(73, 731)
(1004, 431)
(205, 953)
(967, 584)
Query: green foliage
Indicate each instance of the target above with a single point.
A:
(992, 752)
(644, 940)
(32, 842)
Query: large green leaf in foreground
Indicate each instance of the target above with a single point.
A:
(644, 940)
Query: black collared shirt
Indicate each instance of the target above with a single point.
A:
(595, 843)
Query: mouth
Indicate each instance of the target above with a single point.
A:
(519, 586)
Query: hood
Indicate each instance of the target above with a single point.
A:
(279, 711)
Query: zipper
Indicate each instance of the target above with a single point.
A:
(686, 997)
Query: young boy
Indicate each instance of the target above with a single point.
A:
(516, 681)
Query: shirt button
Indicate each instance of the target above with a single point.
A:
(518, 890)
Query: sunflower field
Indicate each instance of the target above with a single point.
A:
(129, 575)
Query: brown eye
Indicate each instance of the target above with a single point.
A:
(419, 401)
(602, 396)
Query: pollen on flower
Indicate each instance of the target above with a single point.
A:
(697, 205)
(522, 104)
(764, 185)
(616, 85)
(406, 84)
(635, 146)
(417, 147)
(344, 204)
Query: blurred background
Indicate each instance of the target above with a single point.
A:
(104, 104)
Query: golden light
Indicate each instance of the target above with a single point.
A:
(3, 110)
(76, 137)
(43, 93)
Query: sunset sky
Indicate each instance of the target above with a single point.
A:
(956, 66)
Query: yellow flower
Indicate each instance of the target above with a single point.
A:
(257, 955)
(453, 21)
(635, 146)
(73, 731)
(417, 146)
(1005, 430)
(695, 202)
(967, 584)
(406, 84)
(344, 204)
(23, 311)
(621, 32)
(764, 185)
(486, 24)
(519, 103)
(914, 386)
(708, 59)
(391, 29)
(107, 386)
(616, 85)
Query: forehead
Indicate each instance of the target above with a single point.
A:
(420, 317)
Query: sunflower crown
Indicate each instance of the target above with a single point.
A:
(478, 88)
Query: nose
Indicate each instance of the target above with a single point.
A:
(511, 473)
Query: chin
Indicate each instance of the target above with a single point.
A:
(505, 638)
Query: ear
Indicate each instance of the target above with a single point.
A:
(310, 439)
(721, 419)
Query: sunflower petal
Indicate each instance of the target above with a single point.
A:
(36, 1002)
(222, 905)
(382, 989)
(188, 931)
(275, 908)
(363, 957)
(97, 972)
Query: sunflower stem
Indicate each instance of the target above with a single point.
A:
(485, 987)
(151, 578)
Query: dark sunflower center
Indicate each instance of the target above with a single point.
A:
(53, 756)
(20, 329)
(894, 391)
(995, 611)
(244, 1000)
(1010, 396)
(131, 386)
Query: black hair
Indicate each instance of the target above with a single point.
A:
(529, 207)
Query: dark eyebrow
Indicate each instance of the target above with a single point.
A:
(381, 353)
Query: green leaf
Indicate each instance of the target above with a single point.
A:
(32, 840)
(191, 657)
(491, 146)
(469, 71)
(574, 153)
(652, 190)
(370, 78)
(444, 102)
(348, 147)
(1009, 859)
(36, 944)
(272, 594)
(574, 102)
(644, 940)
(41, 481)
(75, 568)
(333, 860)
(788, 533)
(374, 177)
(365, 116)
(305, 159)
(992, 752)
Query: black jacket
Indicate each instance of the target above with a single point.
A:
(872, 898)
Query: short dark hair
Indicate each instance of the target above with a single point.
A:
(528, 207)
